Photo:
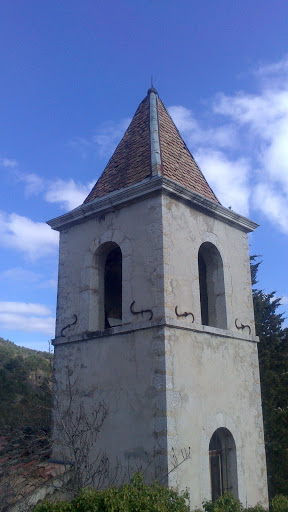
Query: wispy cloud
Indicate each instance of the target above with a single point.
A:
(272, 202)
(226, 172)
(24, 308)
(34, 184)
(229, 179)
(28, 317)
(20, 274)
(28, 277)
(222, 136)
(34, 239)
(8, 163)
(104, 140)
(274, 70)
(246, 124)
(108, 135)
(67, 193)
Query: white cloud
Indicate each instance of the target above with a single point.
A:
(252, 131)
(28, 323)
(108, 135)
(24, 307)
(82, 145)
(275, 154)
(28, 317)
(265, 118)
(35, 239)
(227, 178)
(273, 204)
(184, 119)
(284, 299)
(8, 163)
(273, 71)
(104, 140)
(34, 183)
(20, 274)
(219, 136)
(67, 193)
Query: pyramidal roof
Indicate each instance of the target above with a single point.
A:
(150, 147)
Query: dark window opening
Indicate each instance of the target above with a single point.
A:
(113, 288)
(203, 289)
(223, 464)
(212, 286)
(215, 454)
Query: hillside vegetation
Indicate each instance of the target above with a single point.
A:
(25, 381)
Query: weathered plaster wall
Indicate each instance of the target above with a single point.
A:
(137, 229)
(212, 374)
(127, 372)
(213, 382)
(184, 231)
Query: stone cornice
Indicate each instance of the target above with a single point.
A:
(209, 207)
(126, 329)
(146, 188)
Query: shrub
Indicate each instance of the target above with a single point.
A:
(279, 503)
(257, 508)
(61, 506)
(226, 503)
(134, 497)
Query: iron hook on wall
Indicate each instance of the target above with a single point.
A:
(69, 325)
(184, 314)
(242, 326)
(141, 312)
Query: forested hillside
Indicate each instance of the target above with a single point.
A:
(25, 381)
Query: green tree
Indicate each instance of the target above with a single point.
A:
(273, 362)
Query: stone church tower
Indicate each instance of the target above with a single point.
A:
(155, 317)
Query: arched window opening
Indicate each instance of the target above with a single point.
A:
(203, 289)
(113, 288)
(211, 285)
(223, 464)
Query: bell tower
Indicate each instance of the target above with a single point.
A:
(155, 317)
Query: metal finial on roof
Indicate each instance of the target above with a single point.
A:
(152, 88)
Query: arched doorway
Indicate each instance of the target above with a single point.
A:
(223, 464)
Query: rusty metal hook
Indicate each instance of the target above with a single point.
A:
(242, 326)
(141, 312)
(69, 325)
(184, 314)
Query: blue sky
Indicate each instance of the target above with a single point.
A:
(72, 75)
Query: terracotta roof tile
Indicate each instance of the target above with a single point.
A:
(177, 162)
(131, 161)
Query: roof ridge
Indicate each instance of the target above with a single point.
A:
(156, 161)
